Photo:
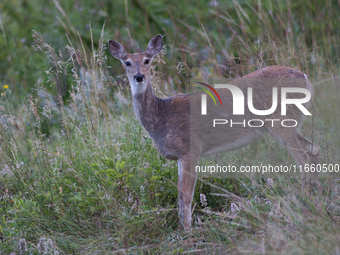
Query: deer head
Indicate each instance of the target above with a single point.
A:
(137, 65)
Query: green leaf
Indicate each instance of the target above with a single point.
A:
(111, 171)
(117, 165)
(68, 181)
(89, 192)
(109, 162)
(156, 177)
(94, 166)
(122, 165)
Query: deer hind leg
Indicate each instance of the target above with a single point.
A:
(186, 187)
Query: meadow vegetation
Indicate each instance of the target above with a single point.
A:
(78, 173)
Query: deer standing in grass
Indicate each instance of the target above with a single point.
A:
(168, 120)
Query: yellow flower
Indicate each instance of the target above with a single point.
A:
(6, 86)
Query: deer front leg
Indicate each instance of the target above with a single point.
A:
(186, 187)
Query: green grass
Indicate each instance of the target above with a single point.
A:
(78, 173)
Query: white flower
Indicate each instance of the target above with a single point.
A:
(270, 182)
(22, 245)
(234, 208)
(203, 199)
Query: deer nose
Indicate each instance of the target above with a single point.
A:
(139, 77)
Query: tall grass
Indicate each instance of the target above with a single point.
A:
(78, 174)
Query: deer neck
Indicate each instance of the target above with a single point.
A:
(146, 107)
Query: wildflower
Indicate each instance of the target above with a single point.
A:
(130, 198)
(234, 208)
(270, 182)
(6, 86)
(22, 245)
(203, 199)
(46, 246)
(42, 245)
(2, 94)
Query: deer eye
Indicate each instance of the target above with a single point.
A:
(128, 63)
(146, 61)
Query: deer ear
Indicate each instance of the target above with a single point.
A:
(155, 46)
(116, 50)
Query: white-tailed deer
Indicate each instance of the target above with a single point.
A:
(168, 120)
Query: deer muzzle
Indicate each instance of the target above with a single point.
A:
(139, 77)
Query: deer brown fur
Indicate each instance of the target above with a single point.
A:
(168, 120)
